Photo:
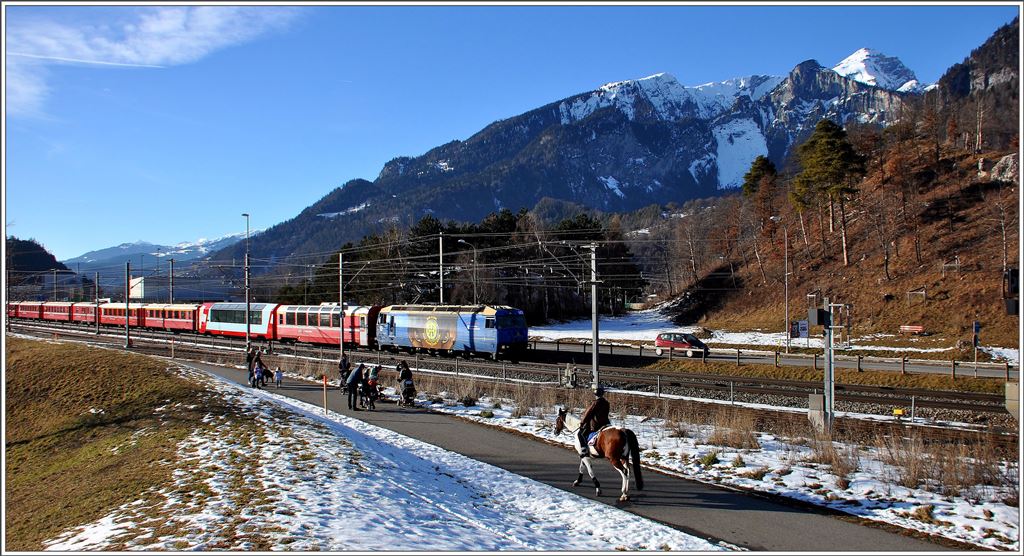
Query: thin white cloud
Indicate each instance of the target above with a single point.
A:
(150, 38)
(77, 61)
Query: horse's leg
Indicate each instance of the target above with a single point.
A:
(617, 464)
(590, 470)
(579, 477)
(624, 470)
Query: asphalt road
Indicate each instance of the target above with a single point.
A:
(703, 510)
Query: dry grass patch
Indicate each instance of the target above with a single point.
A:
(735, 430)
(69, 463)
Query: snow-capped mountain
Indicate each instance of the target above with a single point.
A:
(871, 67)
(622, 146)
(180, 252)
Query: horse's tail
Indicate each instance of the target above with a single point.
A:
(634, 454)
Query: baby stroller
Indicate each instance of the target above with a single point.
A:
(408, 393)
(369, 394)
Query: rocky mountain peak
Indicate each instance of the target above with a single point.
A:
(871, 67)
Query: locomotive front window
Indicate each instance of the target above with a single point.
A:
(511, 321)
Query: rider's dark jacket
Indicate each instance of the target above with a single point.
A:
(596, 416)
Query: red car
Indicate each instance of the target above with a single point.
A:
(679, 341)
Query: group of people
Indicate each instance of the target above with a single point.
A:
(364, 381)
(259, 373)
(359, 382)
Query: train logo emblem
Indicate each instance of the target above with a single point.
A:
(431, 333)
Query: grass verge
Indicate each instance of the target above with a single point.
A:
(87, 430)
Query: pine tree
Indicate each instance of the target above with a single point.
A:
(832, 167)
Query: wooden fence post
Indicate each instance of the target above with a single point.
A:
(814, 364)
(952, 368)
(776, 359)
(903, 365)
(659, 385)
(737, 357)
(858, 363)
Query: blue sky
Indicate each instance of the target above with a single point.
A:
(164, 124)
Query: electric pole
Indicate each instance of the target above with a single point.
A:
(127, 298)
(341, 303)
(440, 263)
(96, 289)
(594, 315)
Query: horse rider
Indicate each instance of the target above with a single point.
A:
(595, 417)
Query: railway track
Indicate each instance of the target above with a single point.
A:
(659, 382)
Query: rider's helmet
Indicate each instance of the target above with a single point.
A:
(599, 391)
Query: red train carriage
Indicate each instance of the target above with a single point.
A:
(12, 309)
(113, 314)
(85, 312)
(176, 317)
(322, 324)
(228, 319)
(29, 310)
(57, 311)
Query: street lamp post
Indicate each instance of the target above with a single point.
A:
(474, 267)
(248, 341)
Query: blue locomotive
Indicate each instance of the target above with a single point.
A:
(496, 331)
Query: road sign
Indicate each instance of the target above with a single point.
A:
(977, 327)
(803, 329)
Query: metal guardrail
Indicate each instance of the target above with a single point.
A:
(956, 368)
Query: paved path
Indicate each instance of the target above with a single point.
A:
(706, 511)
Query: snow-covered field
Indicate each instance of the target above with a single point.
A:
(333, 483)
(644, 326)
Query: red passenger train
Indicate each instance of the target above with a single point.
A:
(316, 324)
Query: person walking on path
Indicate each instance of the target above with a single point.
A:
(257, 375)
(404, 372)
(250, 356)
(595, 417)
(343, 371)
(258, 362)
(278, 376)
(353, 382)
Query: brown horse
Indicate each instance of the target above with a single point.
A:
(617, 445)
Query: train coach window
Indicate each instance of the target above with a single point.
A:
(325, 319)
(335, 320)
(489, 322)
(290, 317)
